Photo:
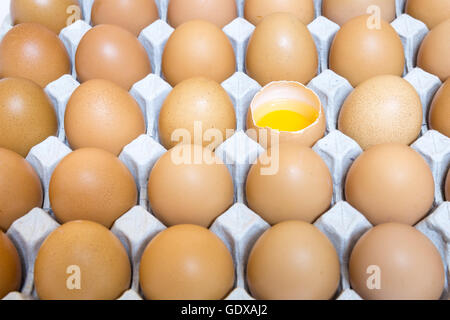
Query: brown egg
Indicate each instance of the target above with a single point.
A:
(189, 184)
(219, 12)
(27, 116)
(53, 14)
(299, 188)
(100, 114)
(382, 109)
(198, 49)
(401, 260)
(81, 260)
(186, 262)
(440, 110)
(359, 53)
(293, 54)
(390, 183)
(10, 267)
(280, 96)
(434, 51)
(132, 15)
(111, 53)
(341, 11)
(293, 260)
(91, 184)
(256, 10)
(447, 187)
(31, 51)
(196, 102)
(20, 188)
(431, 12)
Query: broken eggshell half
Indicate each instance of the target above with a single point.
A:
(285, 90)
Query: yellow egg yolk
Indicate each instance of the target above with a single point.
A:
(285, 115)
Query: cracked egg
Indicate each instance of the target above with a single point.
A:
(286, 111)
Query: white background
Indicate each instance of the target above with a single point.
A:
(4, 9)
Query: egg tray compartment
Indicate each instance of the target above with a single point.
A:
(239, 227)
(151, 92)
(239, 31)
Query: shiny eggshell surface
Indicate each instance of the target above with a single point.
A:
(434, 52)
(186, 262)
(256, 10)
(101, 114)
(53, 14)
(293, 54)
(20, 188)
(359, 53)
(408, 265)
(84, 251)
(341, 11)
(132, 15)
(219, 12)
(91, 184)
(111, 53)
(46, 62)
(196, 101)
(189, 184)
(382, 109)
(431, 12)
(440, 110)
(390, 183)
(299, 188)
(27, 116)
(293, 260)
(198, 49)
(10, 267)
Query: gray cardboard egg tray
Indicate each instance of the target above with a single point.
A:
(238, 227)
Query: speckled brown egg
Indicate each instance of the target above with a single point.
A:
(296, 185)
(293, 260)
(81, 260)
(133, 15)
(256, 10)
(111, 53)
(440, 110)
(10, 267)
(53, 14)
(198, 49)
(201, 103)
(435, 50)
(100, 114)
(189, 184)
(341, 11)
(382, 109)
(219, 12)
(396, 262)
(27, 116)
(91, 184)
(431, 12)
(32, 51)
(359, 53)
(20, 188)
(186, 262)
(390, 183)
(293, 54)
